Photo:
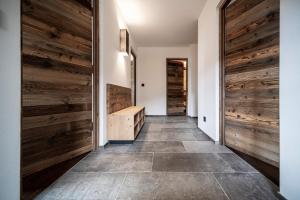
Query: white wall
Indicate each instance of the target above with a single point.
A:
(10, 100)
(151, 70)
(114, 67)
(193, 81)
(289, 99)
(208, 70)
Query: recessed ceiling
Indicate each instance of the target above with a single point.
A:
(162, 22)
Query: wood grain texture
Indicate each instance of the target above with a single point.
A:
(57, 82)
(125, 124)
(176, 93)
(251, 78)
(96, 62)
(117, 98)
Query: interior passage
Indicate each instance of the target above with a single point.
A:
(171, 159)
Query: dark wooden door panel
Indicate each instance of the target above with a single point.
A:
(56, 82)
(176, 94)
(251, 78)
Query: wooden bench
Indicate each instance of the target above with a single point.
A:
(125, 125)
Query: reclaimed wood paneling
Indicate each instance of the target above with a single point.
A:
(251, 78)
(117, 98)
(56, 82)
(176, 93)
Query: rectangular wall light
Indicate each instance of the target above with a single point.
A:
(124, 42)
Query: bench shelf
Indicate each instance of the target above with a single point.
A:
(125, 124)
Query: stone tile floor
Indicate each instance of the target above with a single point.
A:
(171, 159)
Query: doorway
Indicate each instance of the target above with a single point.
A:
(177, 87)
(133, 77)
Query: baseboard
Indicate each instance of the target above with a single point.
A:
(194, 117)
(120, 142)
(107, 143)
(216, 142)
(280, 196)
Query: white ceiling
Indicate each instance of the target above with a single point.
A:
(162, 22)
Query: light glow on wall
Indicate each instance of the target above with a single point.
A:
(131, 11)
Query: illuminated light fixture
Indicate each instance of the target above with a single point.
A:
(124, 42)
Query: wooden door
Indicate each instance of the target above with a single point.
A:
(176, 87)
(57, 70)
(251, 78)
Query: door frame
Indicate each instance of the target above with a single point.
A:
(187, 81)
(96, 74)
(132, 52)
(221, 7)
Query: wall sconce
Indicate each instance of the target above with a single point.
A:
(124, 42)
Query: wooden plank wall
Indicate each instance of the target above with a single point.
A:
(252, 78)
(56, 82)
(117, 98)
(176, 96)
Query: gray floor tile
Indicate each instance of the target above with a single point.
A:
(140, 186)
(84, 186)
(198, 135)
(154, 136)
(181, 137)
(178, 130)
(141, 146)
(247, 186)
(204, 147)
(166, 136)
(169, 160)
(178, 186)
(179, 125)
(152, 127)
(236, 163)
(159, 125)
(115, 148)
(201, 136)
(200, 162)
(111, 162)
(190, 162)
(160, 146)
(165, 186)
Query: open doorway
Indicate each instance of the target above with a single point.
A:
(133, 77)
(177, 86)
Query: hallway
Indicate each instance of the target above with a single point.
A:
(87, 85)
(171, 159)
